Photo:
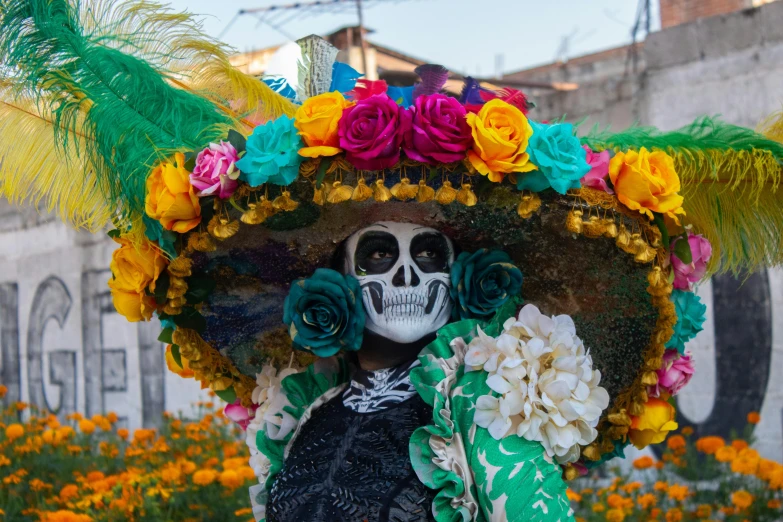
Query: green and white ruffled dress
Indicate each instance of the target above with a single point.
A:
(476, 477)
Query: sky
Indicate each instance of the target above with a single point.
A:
(467, 36)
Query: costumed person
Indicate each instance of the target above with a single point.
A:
(418, 306)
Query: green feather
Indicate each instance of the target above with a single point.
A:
(129, 115)
(705, 135)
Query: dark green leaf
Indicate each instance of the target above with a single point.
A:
(190, 318)
(433, 174)
(114, 234)
(176, 355)
(319, 177)
(199, 288)
(661, 224)
(237, 140)
(190, 161)
(682, 249)
(161, 288)
(165, 335)
(207, 209)
(228, 395)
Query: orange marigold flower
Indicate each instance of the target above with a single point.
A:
(661, 486)
(644, 462)
(246, 472)
(774, 504)
(673, 515)
(112, 417)
(676, 442)
(123, 433)
(3, 390)
(598, 508)
(170, 474)
(187, 467)
(726, 454)
(615, 515)
(766, 467)
(573, 496)
(747, 462)
(687, 430)
(704, 511)
(14, 431)
(243, 512)
(659, 465)
(742, 499)
(4, 461)
(678, 492)
(68, 492)
(739, 444)
(655, 513)
(204, 477)
(86, 426)
(615, 501)
(63, 516)
(647, 501)
(631, 487)
(710, 445)
(776, 478)
(95, 476)
(230, 479)
(754, 417)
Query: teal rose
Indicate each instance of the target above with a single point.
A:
(690, 318)
(482, 282)
(559, 156)
(324, 313)
(271, 154)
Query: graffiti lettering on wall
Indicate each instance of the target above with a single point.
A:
(104, 369)
(95, 374)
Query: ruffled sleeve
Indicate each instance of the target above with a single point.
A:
(477, 477)
(269, 439)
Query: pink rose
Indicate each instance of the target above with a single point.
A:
(435, 130)
(239, 414)
(676, 372)
(370, 133)
(215, 173)
(685, 274)
(599, 171)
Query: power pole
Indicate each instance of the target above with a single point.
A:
(361, 36)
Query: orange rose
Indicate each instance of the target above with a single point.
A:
(500, 137)
(317, 119)
(171, 198)
(652, 426)
(647, 181)
(135, 268)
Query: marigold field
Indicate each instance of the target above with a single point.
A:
(81, 469)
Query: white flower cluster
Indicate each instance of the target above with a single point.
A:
(548, 389)
(268, 415)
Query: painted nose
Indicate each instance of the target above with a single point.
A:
(406, 276)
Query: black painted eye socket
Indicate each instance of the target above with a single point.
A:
(431, 252)
(376, 253)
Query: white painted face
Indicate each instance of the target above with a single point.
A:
(403, 270)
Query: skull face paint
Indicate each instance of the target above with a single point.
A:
(403, 269)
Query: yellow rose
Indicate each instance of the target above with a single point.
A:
(647, 181)
(500, 135)
(317, 119)
(171, 198)
(184, 370)
(135, 268)
(652, 426)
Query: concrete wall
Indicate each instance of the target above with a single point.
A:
(63, 347)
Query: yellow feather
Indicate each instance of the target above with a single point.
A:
(33, 171)
(176, 44)
(733, 199)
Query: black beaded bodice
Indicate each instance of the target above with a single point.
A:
(346, 466)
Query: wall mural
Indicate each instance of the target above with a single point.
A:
(742, 312)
